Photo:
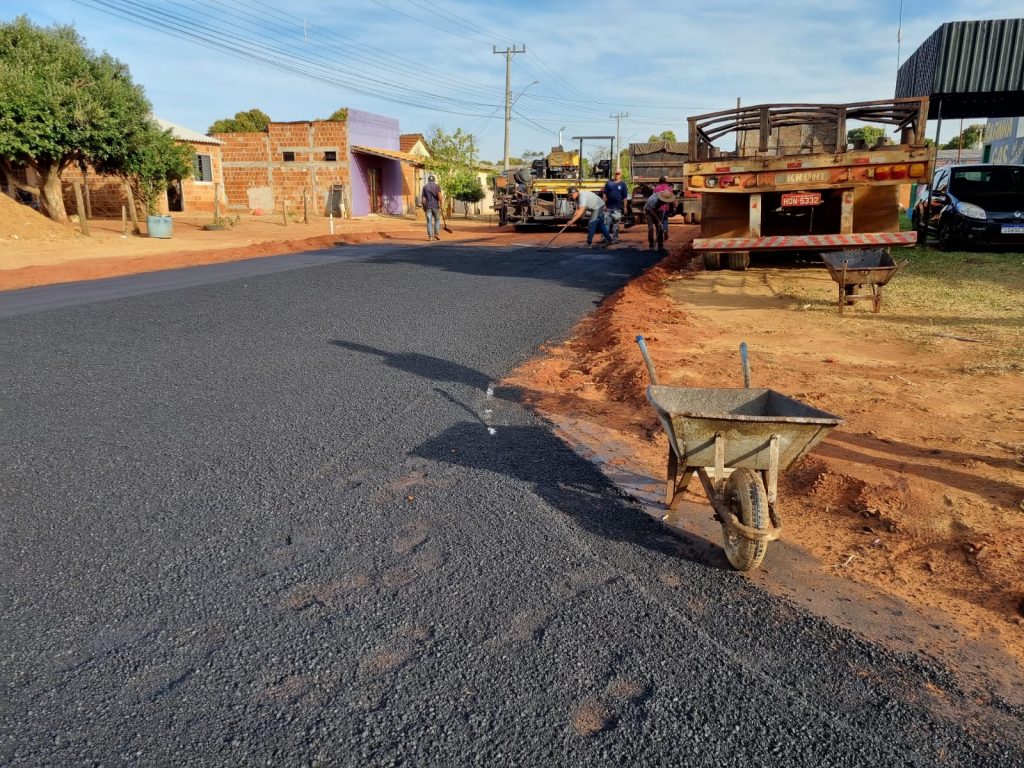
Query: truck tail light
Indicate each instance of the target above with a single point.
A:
(696, 181)
(882, 173)
(917, 170)
(899, 171)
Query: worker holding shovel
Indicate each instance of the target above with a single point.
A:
(432, 200)
(593, 205)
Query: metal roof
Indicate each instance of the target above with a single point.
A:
(968, 69)
(390, 154)
(185, 134)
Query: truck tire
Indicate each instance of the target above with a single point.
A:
(746, 498)
(503, 216)
(712, 261)
(738, 261)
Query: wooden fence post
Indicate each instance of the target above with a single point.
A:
(124, 221)
(216, 203)
(284, 211)
(83, 220)
(305, 207)
(131, 209)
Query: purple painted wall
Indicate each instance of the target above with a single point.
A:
(366, 129)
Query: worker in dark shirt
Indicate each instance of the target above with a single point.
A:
(615, 195)
(432, 201)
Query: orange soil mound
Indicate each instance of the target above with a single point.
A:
(19, 222)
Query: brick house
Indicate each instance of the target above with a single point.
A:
(349, 167)
(413, 177)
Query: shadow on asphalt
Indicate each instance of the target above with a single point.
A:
(566, 481)
(559, 475)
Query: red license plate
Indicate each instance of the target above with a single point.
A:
(794, 199)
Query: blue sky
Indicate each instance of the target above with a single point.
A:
(431, 63)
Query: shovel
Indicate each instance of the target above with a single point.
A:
(549, 242)
(444, 222)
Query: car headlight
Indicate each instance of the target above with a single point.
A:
(971, 211)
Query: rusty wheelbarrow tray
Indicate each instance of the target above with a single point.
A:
(861, 274)
(755, 433)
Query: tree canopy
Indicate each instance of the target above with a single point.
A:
(64, 104)
(664, 136)
(870, 134)
(971, 137)
(250, 121)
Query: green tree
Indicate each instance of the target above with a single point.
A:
(339, 115)
(664, 136)
(869, 133)
(155, 160)
(63, 104)
(466, 188)
(251, 121)
(971, 137)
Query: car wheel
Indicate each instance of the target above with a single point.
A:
(947, 240)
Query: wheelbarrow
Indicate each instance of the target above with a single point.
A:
(861, 274)
(745, 437)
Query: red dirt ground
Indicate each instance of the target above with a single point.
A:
(912, 504)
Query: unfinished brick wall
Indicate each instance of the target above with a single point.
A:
(258, 178)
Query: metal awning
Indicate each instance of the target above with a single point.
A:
(390, 154)
(968, 69)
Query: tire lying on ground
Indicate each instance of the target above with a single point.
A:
(739, 261)
(712, 261)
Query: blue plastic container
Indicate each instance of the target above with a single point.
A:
(159, 226)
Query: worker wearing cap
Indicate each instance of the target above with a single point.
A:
(431, 199)
(615, 195)
(591, 204)
(653, 216)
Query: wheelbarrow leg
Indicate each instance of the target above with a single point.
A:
(877, 298)
(842, 289)
(674, 486)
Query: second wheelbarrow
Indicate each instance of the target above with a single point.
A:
(755, 433)
(861, 274)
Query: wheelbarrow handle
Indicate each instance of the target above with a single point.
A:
(746, 364)
(647, 359)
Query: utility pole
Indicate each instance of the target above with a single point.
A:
(508, 53)
(618, 149)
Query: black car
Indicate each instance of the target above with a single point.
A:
(973, 205)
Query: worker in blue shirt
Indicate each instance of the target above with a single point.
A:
(615, 195)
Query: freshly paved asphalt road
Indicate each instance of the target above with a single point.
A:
(256, 514)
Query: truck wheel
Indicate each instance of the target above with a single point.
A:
(502, 216)
(738, 261)
(712, 261)
(745, 496)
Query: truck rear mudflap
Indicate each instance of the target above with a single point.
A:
(803, 242)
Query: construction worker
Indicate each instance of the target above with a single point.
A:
(615, 195)
(432, 199)
(591, 204)
(652, 213)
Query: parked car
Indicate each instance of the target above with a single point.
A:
(973, 205)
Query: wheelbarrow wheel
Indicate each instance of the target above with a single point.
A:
(745, 495)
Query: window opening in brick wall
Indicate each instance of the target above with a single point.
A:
(330, 155)
(203, 167)
(289, 157)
